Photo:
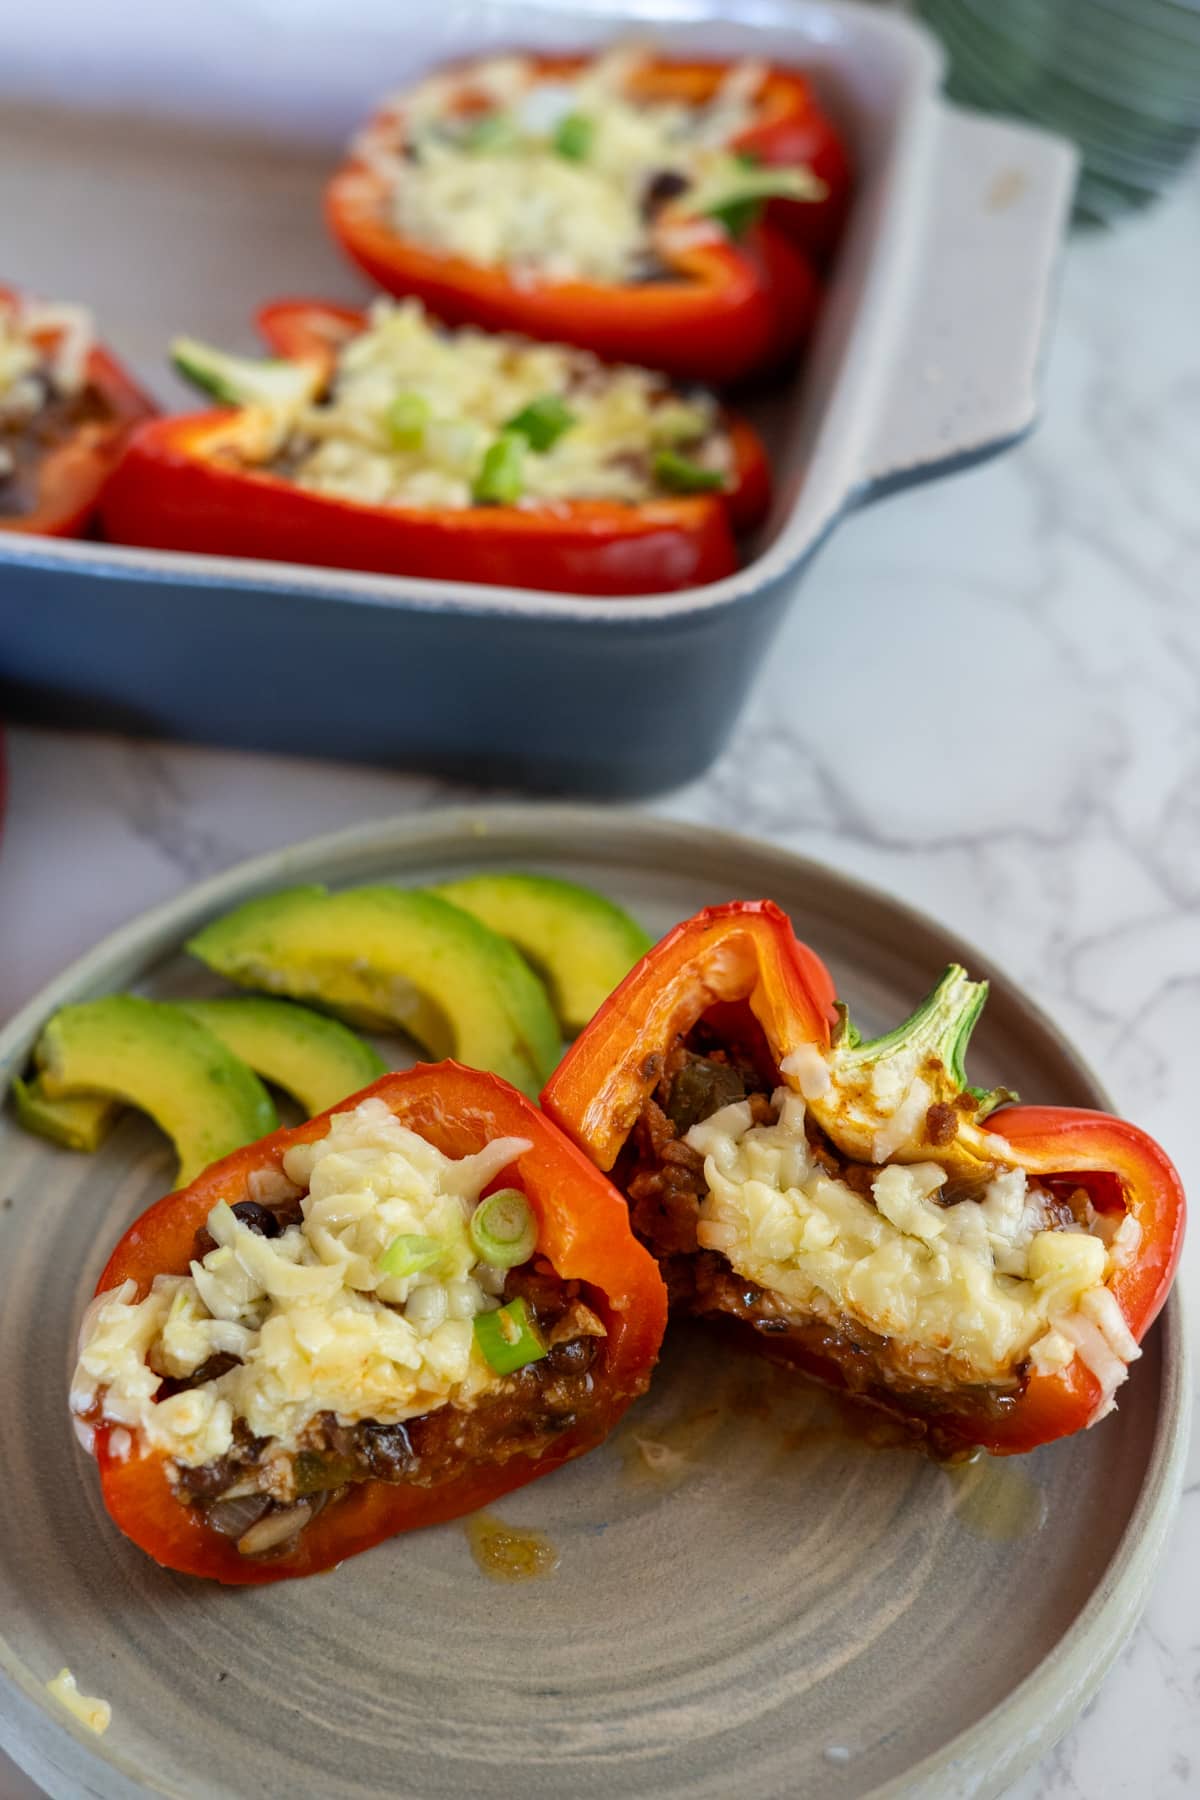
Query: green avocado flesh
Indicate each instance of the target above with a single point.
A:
(79, 1122)
(387, 958)
(579, 941)
(152, 1056)
(316, 1060)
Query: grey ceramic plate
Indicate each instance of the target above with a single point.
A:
(788, 1608)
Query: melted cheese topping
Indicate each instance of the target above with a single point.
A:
(316, 1324)
(41, 343)
(966, 1293)
(467, 386)
(510, 196)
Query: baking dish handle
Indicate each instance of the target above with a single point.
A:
(965, 369)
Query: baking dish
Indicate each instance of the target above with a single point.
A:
(925, 359)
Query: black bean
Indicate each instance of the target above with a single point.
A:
(666, 185)
(574, 1357)
(258, 1218)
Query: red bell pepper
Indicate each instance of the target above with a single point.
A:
(183, 486)
(741, 968)
(730, 308)
(794, 132)
(583, 1234)
(74, 466)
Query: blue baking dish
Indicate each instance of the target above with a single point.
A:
(925, 359)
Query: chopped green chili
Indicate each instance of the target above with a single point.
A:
(680, 475)
(543, 421)
(508, 1338)
(501, 478)
(503, 1229)
(408, 1254)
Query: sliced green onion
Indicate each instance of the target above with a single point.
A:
(501, 478)
(674, 422)
(408, 1254)
(573, 138)
(735, 196)
(490, 131)
(736, 217)
(406, 419)
(509, 1339)
(543, 421)
(680, 475)
(503, 1229)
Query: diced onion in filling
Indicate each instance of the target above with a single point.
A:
(417, 415)
(810, 1070)
(314, 1315)
(966, 1293)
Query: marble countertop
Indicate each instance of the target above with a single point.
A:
(1017, 749)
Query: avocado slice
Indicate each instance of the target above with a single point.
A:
(316, 1060)
(77, 1122)
(581, 943)
(384, 957)
(151, 1055)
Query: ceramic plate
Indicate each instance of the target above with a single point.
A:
(753, 1596)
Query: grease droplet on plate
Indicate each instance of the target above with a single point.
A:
(997, 1500)
(508, 1552)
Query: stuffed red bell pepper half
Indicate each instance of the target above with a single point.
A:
(654, 211)
(383, 1319)
(66, 409)
(385, 442)
(982, 1269)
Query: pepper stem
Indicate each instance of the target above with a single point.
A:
(940, 1028)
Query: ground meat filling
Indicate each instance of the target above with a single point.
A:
(663, 1180)
(263, 1496)
(28, 438)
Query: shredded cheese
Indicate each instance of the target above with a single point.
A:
(317, 1326)
(966, 1293)
(511, 196)
(95, 1714)
(466, 387)
(41, 343)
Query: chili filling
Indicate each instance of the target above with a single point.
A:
(29, 435)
